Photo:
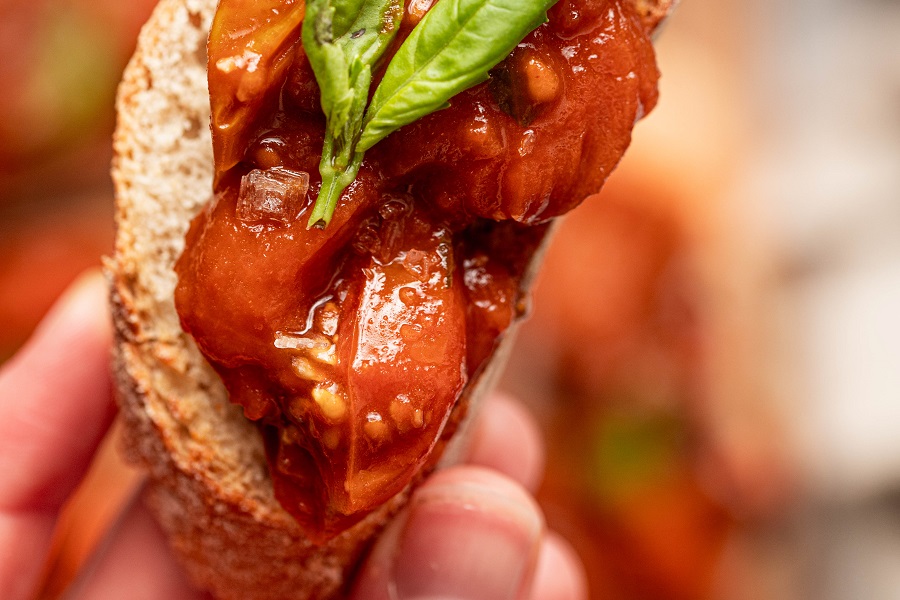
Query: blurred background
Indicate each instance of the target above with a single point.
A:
(713, 349)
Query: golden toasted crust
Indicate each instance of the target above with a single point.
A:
(208, 483)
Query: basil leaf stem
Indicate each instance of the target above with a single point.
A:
(343, 39)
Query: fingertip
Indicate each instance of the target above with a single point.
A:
(86, 300)
(78, 318)
(560, 573)
(506, 438)
(486, 489)
(468, 533)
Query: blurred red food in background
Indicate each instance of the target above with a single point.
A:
(62, 60)
(61, 63)
(616, 335)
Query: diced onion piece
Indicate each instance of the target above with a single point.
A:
(272, 195)
(292, 341)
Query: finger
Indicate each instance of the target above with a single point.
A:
(135, 562)
(55, 406)
(506, 438)
(55, 400)
(560, 574)
(469, 534)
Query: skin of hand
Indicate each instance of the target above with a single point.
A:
(470, 532)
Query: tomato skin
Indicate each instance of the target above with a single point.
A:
(524, 148)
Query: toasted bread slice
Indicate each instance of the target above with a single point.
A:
(208, 485)
(208, 482)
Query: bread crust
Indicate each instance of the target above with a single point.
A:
(208, 485)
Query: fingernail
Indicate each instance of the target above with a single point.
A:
(468, 541)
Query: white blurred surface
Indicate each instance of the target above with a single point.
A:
(824, 174)
(815, 196)
(827, 175)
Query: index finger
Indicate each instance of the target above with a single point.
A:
(507, 438)
(55, 406)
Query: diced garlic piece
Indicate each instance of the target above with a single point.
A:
(376, 428)
(305, 369)
(327, 318)
(289, 436)
(248, 61)
(297, 407)
(542, 83)
(329, 399)
(405, 415)
(332, 438)
(400, 407)
(327, 356)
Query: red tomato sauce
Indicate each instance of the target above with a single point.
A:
(353, 346)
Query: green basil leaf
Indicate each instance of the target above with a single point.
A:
(328, 61)
(345, 14)
(450, 50)
(372, 30)
(343, 39)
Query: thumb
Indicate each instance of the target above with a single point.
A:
(468, 534)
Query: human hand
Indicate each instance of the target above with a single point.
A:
(470, 532)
